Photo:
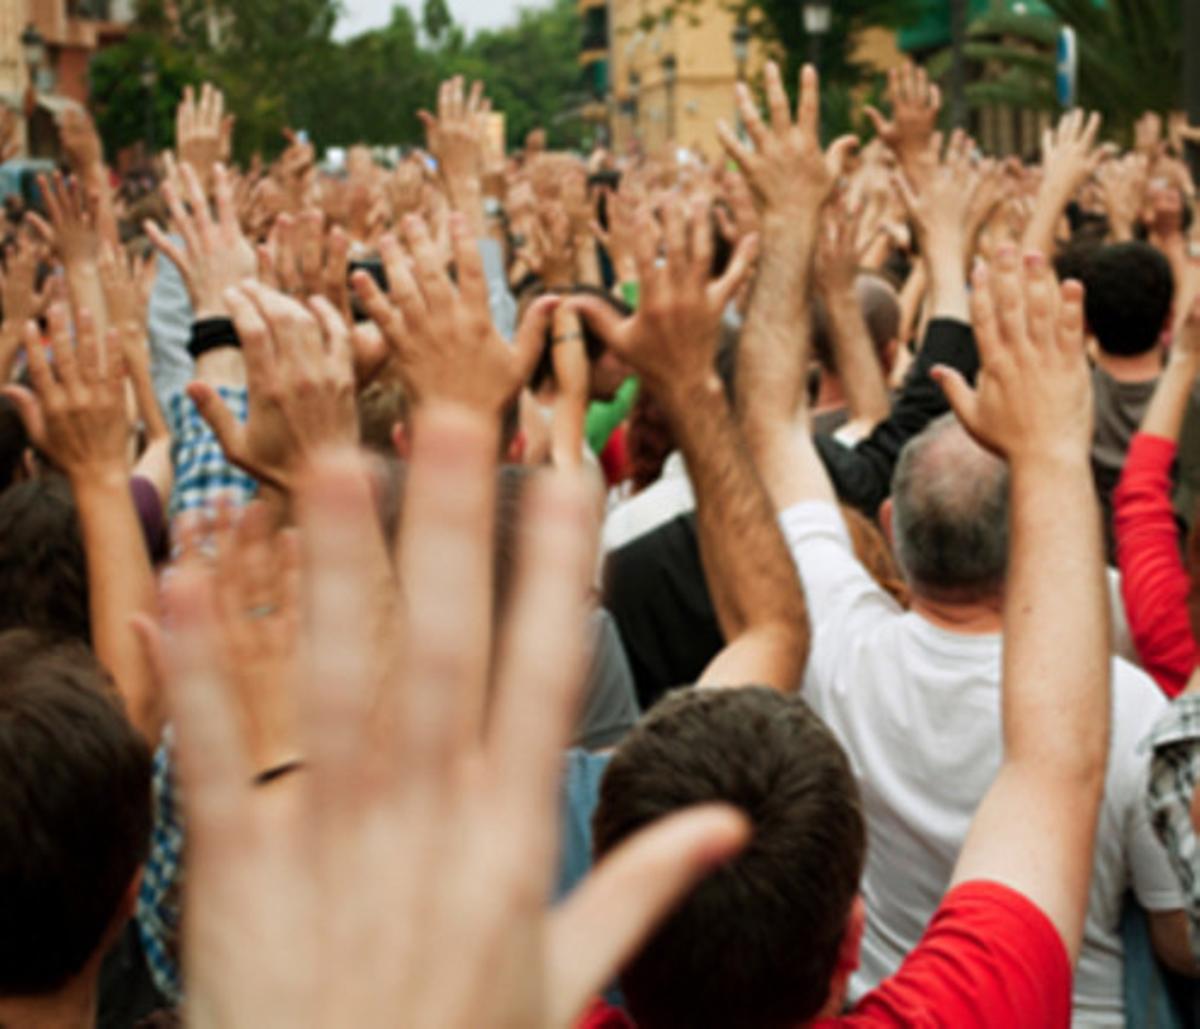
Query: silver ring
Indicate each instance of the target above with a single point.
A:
(262, 611)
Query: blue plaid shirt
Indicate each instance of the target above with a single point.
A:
(1174, 776)
(202, 474)
(158, 904)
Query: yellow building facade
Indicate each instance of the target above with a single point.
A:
(665, 80)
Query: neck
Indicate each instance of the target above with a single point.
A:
(975, 618)
(1136, 368)
(72, 1007)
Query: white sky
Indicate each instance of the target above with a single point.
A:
(474, 14)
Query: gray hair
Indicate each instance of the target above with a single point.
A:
(950, 514)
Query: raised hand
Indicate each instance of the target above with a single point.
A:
(455, 137)
(915, 105)
(80, 141)
(1033, 396)
(215, 255)
(300, 384)
(75, 413)
(71, 230)
(414, 823)
(1069, 157)
(302, 260)
(672, 337)
(441, 332)
(202, 131)
(1123, 187)
(787, 170)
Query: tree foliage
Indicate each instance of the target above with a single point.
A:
(279, 66)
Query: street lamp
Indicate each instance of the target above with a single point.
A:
(740, 37)
(669, 68)
(149, 78)
(34, 46)
(818, 19)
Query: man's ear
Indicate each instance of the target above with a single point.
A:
(849, 953)
(29, 465)
(401, 442)
(885, 522)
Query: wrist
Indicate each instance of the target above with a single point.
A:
(690, 395)
(789, 221)
(101, 475)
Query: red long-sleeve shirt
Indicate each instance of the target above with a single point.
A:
(1154, 581)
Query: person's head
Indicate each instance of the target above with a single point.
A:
(769, 939)
(43, 571)
(607, 372)
(948, 516)
(880, 307)
(74, 813)
(1129, 292)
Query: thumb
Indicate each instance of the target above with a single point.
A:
(839, 152)
(602, 318)
(602, 924)
(963, 400)
(30, 410)
(740, 265)
(877, 120)
(530, 339)
(220, 419)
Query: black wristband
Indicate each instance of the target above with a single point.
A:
(212, 334)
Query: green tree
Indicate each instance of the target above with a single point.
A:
(532, 72)
(119, 100)
(436, 21)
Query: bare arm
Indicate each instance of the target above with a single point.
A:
(1164, 417)
(1069, 156)
(791, 178)
(671, 341)
(858, 365)
(1035, 828)
(77, 417)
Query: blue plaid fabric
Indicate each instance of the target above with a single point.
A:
(202, 474)
(158, 904)
(1174, 776)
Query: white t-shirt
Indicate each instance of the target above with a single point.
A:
(661, 501)
(917, 709)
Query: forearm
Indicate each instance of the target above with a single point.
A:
(96, 179)
(746, 562)
(772, 367)
(1164, 417)
(120, 586)
(948, 297)
(1041, 233)
(566, 433)
(87, 294)
(587, 261)
(1056, 626)
(465, 194)
(858, 366)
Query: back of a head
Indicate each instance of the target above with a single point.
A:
(43, 570)
(757, 943)
(880, 306)
(1129, 292)
(74, 811)
(14, 443)
(950, 515)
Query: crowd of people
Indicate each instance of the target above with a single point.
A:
(610, 591)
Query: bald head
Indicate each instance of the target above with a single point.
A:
(950, 515)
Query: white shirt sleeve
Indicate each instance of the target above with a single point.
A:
(844, 602)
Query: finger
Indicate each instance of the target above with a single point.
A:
(808, 108)
(541, 655)
(879, 122)
(230, 433)
(402, 284)
(337, 520)
(983, 316)
(87, 349)
(167, 247)
(294, 335)
(530, 337)
(962, 399)
(1009, 294)
(258, 348)
(65, 367)
(700, 232)
(40, 372)
(839, 153)
(213, 764)
(468, 264)
(334, 330)
(751, 119)
(1071, 320)
(379, 310)
(777, 101)
(445, 559)
(629, 894)
(226, 210)
(732, 145)
(675, 238)
(601, 316)
(29, 409)
(1041, 295)
(737, 271)
(429, 274)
